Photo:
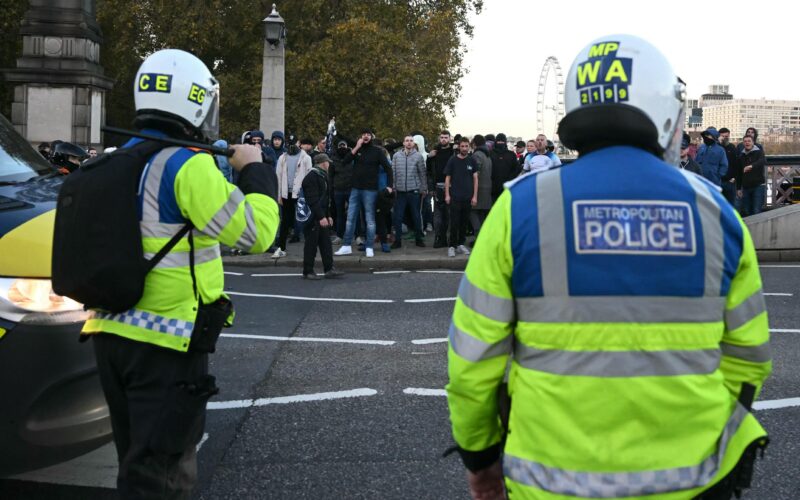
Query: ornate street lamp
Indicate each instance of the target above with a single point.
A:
(274, 28)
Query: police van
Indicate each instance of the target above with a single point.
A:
(51, 404)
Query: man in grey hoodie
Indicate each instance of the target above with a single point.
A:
(410, 182)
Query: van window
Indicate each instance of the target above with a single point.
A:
(18, 160)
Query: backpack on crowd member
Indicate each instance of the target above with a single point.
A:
(98, 257)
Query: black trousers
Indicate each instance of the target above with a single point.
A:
(157, 401)
(287, 220)
(317, 237)
(440, 218)
(459, 218)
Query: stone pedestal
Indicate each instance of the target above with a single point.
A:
(273, 80)
(59, 86)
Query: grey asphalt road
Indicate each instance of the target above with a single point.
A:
(352, 406)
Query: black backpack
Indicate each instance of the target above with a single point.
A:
(98, 259)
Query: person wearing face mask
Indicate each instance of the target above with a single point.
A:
(711, 157)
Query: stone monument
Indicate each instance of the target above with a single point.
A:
(59, 86)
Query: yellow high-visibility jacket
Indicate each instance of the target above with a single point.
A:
(180, 185)
(632, 313)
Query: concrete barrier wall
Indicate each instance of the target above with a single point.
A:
(776, 234)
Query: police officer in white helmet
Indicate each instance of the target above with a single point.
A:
(627, 294)
(153, 358)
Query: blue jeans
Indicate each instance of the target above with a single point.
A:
(361, 198)
(729, 192)
(410, 198)
(752, 201)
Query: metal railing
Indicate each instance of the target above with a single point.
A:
(781, 170)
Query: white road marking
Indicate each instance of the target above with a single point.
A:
(308, 339)
(310, 299)
(300, 398)
(275, 275)
(442, 272)
(428, 341)
(418, 391)
(202, 441)
(390, 272)
(421, 301)
(776, 404)
(778, 265)
(779, 294)
(783, 330)
(233, 274)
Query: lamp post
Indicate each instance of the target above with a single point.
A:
(273, 85)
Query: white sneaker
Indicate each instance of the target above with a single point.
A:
(462, 249)
(345, 250)
(429, 227)
(451, 252)
(278, 254)
(370, 252)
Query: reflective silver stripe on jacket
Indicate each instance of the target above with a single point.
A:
(181, 259)
(754, 354)
(150, 321)
(152, 229)
(618, 363)
(249, 236)
(152, 174)
(224, 215)
(751, 307)
(484, 303)
(621, 484)
(620, 309)
(553, 248)
(472, 349)
(713, 240)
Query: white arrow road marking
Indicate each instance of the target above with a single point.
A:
(276, 275)
(308, 339)
(420, 301)
(300, 398)
(418, 391)
(442, 272)
(311, 299)
(428, 341)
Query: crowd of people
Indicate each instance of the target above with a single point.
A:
(738, 170)
(380, 190)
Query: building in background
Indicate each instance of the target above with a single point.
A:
(772, 118)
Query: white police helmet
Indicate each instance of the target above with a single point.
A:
(621, 90)
(174, 86)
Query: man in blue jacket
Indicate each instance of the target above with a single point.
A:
(711, 157)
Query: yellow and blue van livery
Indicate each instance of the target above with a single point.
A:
(51, 402)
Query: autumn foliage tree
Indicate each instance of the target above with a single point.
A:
(392, 65)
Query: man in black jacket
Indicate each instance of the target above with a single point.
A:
(751, 183)
(437, 160)
(504, 166)
(317, 228)
(367, 162)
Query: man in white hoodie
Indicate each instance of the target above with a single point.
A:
(292, 167)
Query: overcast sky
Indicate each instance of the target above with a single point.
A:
(751, 46)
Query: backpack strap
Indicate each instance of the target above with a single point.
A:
(169, 246)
